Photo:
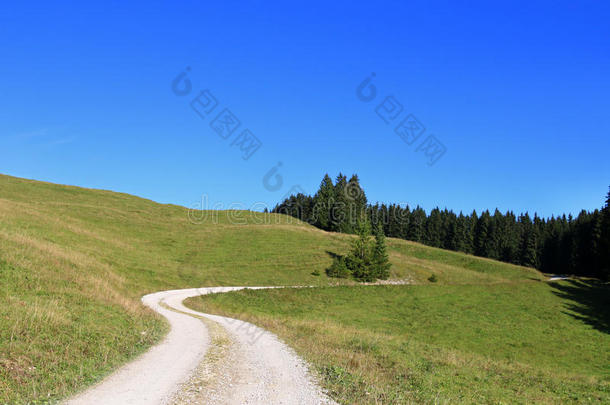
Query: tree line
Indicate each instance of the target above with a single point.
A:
(560, 244)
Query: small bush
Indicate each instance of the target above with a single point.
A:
(338, 268)
(316, 272)
(433, 278)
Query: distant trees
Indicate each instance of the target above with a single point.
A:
(335, 207)
(604, 239)
(561, 244)
(529, 242)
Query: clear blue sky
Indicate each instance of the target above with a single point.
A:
(518, 94)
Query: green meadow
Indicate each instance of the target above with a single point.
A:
(514, 342)
(74, 263)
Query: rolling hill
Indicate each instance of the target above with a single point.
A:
(74, 263)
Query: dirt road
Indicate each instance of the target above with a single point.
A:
(263, 370)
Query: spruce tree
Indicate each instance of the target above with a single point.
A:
(481, 235)
(340, 221)
(372, 213)
(461, 233)
(604, 240)
(528, 242)
(359, 261)
(322, 204)
(494, 236)
(384, 217)
(469, 232)
(381, 261)
(338, 268)
(595, 236)
(452, 233)
(356, 202)
(433, 228)
(416, 225)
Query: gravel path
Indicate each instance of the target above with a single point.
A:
(259, 368)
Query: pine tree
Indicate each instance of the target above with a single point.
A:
(604, 240)
(595, 235)
(538, 232)
(510, 243)
(528, 242)
(381, 262)
(416, 225)
(550, 259)
(567, 257)
(470, 228)
(452, 234)
(405, 218)
(481, 235)
(384, 217)
(323, 203)
(338, 268)
(356, 202)
(359, 261)
(461, 231)
(372, 213)
(494, 237)
(433, 228)
(340, 207)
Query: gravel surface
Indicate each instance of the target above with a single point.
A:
(239, 364)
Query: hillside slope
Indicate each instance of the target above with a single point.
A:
(74, 263)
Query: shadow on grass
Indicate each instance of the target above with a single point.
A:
(588, 301)
(334, 255)
(338, 268)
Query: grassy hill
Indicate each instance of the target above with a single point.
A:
(74, 263)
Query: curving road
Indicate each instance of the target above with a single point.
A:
(265, 370)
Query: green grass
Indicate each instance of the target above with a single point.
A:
(74, 263)
(524, 341)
